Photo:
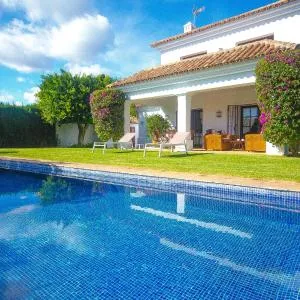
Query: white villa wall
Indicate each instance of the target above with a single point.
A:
(218, 100)
(165, 107)
(67, 135)
(283, 25)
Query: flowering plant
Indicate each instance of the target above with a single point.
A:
(107, 108)
(278, 92)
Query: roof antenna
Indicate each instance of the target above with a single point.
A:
(197, 11)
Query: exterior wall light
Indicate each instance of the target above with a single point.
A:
(219, 114)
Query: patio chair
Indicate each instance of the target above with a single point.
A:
(125, 142)
(179, 139)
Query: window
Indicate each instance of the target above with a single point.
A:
(256, 39)
(194, 55)
(249, 120)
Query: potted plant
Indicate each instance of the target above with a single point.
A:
(157, 127)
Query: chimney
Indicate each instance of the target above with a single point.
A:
(188, 27)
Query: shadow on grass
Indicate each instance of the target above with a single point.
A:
(175, 155)
(165, 154)
(8, 152)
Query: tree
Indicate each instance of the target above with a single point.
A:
(278, 92)
(107, 107)
(63, 98)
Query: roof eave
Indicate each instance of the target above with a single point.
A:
(232, 19)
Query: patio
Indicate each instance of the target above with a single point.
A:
(219, 119)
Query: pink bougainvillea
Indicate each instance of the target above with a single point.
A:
(281, 57)
(278, 92)
(102, 113)
(107, 108)
(264, 118)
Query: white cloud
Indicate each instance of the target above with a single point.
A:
(56, 10)
(94, 69)
(21, 79)
(29, 95)
(81, 39)
(83, 43)
(23, 47)
(6, 97)
(29, 48)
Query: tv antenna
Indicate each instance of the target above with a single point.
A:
(196, 12)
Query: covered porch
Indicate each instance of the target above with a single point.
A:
(231, 110)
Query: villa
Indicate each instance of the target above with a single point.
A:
(101, 223)
(206, 79)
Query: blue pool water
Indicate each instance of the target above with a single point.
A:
(73, 239)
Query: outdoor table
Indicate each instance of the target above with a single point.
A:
(238, 144)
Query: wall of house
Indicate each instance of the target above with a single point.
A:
(165, 107)
(281, 24)
(218, 100)
(67, 135)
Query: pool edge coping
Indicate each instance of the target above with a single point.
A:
(241, 182)
(251, 195)
(119, 170)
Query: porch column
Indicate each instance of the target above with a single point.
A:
(183, 113)
(126, 116)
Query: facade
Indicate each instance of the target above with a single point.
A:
(206, 80)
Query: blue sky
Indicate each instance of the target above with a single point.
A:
(91, 36)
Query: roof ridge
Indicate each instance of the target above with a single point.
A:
(255, 11)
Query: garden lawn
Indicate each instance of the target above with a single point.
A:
(258, 166)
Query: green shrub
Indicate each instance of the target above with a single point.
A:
(157, 126)
(278, 92)
(107, 108)
(24, 127)
(133, 111)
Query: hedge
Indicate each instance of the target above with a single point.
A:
(23, 127)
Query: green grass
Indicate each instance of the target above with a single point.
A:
(258, 166)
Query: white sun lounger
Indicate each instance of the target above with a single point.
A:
(179, 139)
(125, 142)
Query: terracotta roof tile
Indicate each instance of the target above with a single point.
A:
(222, 22)
(237, 54)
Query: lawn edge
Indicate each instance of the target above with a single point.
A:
(282, 185)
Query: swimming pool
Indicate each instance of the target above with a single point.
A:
(70, 239)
